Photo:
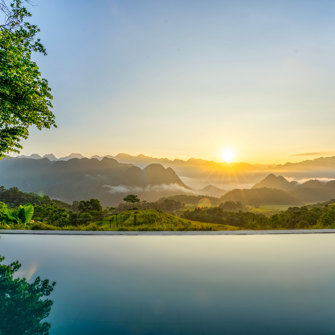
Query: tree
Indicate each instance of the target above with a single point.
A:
(169, 205)
(25, 97)
(90, 205)
(131, 198)
(23, 305)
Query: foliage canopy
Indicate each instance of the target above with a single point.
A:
(25, 96)
(132, 198)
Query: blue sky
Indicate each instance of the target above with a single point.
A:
(188, 78)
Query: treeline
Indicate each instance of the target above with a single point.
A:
(47, 213)
(82, 213)
(13, 197)
(317, 217)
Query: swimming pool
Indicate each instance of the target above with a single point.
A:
(261, 284)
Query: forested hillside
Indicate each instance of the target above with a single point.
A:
(77, 179)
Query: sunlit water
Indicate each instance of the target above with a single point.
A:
(283, 284)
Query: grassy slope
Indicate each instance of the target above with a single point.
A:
(146, 220)
(155, 220)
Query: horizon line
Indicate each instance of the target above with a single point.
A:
(59, 157)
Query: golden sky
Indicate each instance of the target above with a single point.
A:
(189, 78)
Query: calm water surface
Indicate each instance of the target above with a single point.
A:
(279, 284)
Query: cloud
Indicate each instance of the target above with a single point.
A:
(123, 189)
(312, 154)
(149, 188)
(167, 188)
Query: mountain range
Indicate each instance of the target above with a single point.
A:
(277, 190)
(312, 190)
(261, 196)
(198, 173)
(80, 179)
(75, 178)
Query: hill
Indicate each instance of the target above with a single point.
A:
(308, 192)
(82, 179)
(276, 182)
(151, 220)
(219, 173)
(260, 196)
(211, 191)
(315, 191)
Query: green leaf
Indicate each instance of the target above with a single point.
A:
(25, 213)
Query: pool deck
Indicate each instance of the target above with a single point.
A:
(167, 233)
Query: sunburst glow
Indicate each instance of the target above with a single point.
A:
(228, 155)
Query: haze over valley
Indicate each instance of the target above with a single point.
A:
(110, 178)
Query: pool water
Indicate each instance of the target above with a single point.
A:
(259, 284)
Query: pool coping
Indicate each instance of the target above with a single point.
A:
(167, 233)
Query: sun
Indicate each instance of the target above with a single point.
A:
(228, 155)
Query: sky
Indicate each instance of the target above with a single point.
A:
(182, 79)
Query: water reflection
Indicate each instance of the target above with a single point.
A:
(23, 305)
(212, 285)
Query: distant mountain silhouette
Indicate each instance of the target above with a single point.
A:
(32, 156)
(308, 192)
(200, 171)
(261, 196)
(51, 157)
(71, 156)
(244, 173)
(315, 191)
(97, 157)
(80, 179)
(277, 182)
(211, 191)
(108, 180)
(197, 167)
(320, 163)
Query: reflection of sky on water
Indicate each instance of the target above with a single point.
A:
(27, 272)
(184, 284)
